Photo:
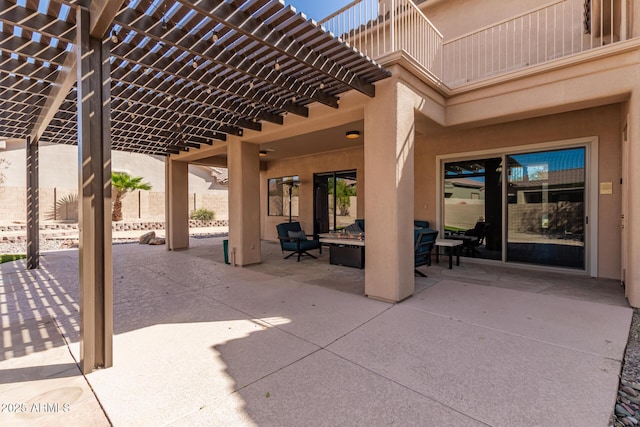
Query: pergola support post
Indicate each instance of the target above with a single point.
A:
(33, 205)
(94, 157)
(177, 204)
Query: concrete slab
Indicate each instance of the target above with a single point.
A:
(317, 314)
(167, 371)
(40, 383)
(202, 343)
(497, 378)
(580, 325)
(326, 390)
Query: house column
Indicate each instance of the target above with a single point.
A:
(244, 203)
(33, 205)
(177, 204)
(388, 169)
(94, 158)
(632, 216)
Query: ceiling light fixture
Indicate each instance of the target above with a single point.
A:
(214, 37)
(321, 85)
(114, 37)
(352, 134)
(277, 66)
(194, 64)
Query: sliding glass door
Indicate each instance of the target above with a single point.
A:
(473, 205)
(545, 208)
(519, 207)
(335, 200)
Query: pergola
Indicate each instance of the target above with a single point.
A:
(154, 77)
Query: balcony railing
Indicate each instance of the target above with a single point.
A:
(556, 30)
(380, 27)
(553, 31)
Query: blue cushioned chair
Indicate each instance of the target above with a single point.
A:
(293, 239)
(425, 240)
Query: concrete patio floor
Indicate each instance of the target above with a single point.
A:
(198, 342)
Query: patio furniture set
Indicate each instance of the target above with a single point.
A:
(346, 247)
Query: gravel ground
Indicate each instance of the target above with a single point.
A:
(627, 408)
(57, 244)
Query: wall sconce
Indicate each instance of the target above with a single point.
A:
(352, 134)
(262, 153)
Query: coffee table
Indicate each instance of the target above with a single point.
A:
(453, 249)
(344, 249)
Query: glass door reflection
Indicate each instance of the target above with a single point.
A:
(545, 208)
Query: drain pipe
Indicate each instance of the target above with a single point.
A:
(233, 257)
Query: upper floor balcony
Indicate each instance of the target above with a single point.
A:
(381, 28)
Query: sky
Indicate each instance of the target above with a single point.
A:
(317, 9)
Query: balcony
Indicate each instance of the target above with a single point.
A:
(380, 28)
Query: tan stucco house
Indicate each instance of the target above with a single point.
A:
(537, 102)
(530, 93)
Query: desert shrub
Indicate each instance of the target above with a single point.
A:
(203, 215)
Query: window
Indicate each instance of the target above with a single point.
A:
(283, 196)
(530, 206)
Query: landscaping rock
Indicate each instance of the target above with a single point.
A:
(157, 241)
(147, 237)
(630, 391)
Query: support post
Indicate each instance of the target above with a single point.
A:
(244, 203)
(33, 205)
(632, 216)
(177, 204)
(389, 174)
(94, 162)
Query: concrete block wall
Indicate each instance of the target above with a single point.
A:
(146, 205)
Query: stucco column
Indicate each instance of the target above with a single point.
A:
(388, 169)
(632, 216)
(244, 203)
(177, 204)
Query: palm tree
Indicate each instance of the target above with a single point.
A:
(123, 183)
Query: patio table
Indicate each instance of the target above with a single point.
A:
(344, 249)
(454, 248)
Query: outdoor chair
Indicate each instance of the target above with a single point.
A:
(293, 239)
(425, 240)
(479, 231)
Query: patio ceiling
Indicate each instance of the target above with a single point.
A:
(184, 72)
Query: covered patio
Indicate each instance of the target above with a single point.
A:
(200, 342)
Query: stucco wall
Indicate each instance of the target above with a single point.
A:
(305, 167)
(604, 122)
(454, 18)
